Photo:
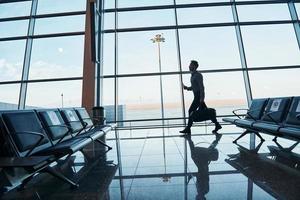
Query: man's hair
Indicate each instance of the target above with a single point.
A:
(195, 63)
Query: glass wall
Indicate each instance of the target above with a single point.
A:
(41, 53)
(245, 50)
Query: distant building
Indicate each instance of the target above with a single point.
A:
(8, 106)
(110, 113)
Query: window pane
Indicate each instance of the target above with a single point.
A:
(58, 6)
(140, 96)
(108, 99)
(297, 5)
(49, 94)
(271, 45)
(15, 9)
(59, 24)
(109, 54)
(109, 21)
(14, 28)
(223, 91)
(204, 15)
(9, 96)
(275, 83)
(172, 98)
(109, 4)
(138, 54)
(146, 18)
(57, 57)
(131, 3)
(11, 60)
(263, 12)
(198, 1)
(214, 48)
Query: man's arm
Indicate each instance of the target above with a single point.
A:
(187, 88)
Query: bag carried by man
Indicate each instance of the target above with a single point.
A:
(204, 114)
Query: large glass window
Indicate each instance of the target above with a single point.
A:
(140, 96)
(204, 15)
(57, 57)
(9, 96)
(15, 9)
(108, 54)
(59, 24)
(146, 18)
(271, 45)
(54, 94)
(131, 3)
(275, 83)
(138, 54)
(59, 6)
(214, 48)
(263, 12)
(13, 28)
(224, 91)
(11, 60)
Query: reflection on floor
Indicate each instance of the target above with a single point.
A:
(201, 167)
(157, 164)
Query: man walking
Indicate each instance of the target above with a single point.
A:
(199, 94)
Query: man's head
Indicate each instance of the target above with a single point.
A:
(193, 65)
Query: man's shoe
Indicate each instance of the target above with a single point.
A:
(186, 131)
(218, 127)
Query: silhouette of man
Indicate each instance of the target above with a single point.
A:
(202, 157)
(199, 94)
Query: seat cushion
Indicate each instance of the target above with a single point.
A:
(71, 118)
(266, 127)
(230, 120)
(256, 109)
(84, 116)
(66, 147)
(277, 109)
(291, 131)
(244, 123)
(20, 122)
(293, 113)
(53, 123)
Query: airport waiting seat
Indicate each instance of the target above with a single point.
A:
(273, 116)
(253, 114)
(291, 127)
(83, 124)
(32, 147)
(35, 139)
(280, 118)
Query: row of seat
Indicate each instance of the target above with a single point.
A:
(34, 138)
(276, 116)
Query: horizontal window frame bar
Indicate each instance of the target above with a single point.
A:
(12, 1)
(160, 119)
(222, 172)
(51, 35)
(194, 5)
(153, 74)
(41, 80)
(203, 71)
(208, 25)
(51, 15)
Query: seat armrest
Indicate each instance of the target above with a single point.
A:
(240, 109)
(42, 136)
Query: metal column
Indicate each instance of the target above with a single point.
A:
(27, 57)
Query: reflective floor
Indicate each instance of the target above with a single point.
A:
(158, 164)
(203, 166)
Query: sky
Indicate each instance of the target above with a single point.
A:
(214, 48)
